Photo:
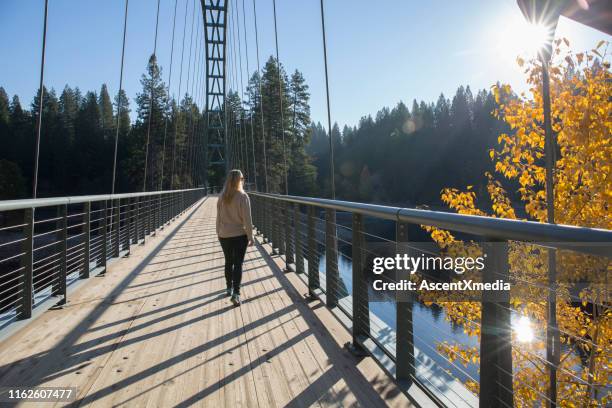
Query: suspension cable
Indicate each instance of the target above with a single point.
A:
(202, 160)
(263, 132)
(280, 100)
(194, 90)
(232, 59)
(232, 117)
(242, 118)
(178, 110)
(144, 181)
(161, 180)
(119, 97)
(246, 51)
(329, 123)
(40, 101)
(187, 148)
(238, 130)
(189, 91)
(236, 27)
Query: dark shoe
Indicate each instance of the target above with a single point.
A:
(236, 299)
(230, 291)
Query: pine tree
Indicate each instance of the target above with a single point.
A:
(89, 144)
(8, 152)
(151, 110)
(302, 174)
(108, 122)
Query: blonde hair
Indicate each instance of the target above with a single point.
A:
(233, 184)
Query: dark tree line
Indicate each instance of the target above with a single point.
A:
(78, 139)
(402, 155)
(408, 155)
(259, 116)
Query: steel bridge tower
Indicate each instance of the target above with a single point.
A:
(215, 23)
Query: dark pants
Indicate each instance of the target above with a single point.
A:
(234, 249)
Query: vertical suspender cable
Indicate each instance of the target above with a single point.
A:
(161, 180)
(196, 122)
(40, 102)
(144, 181)
(329, 123)
(187, 148)
(178, 114)
(242, 115)
(241, 111)
(195, 92)
(191, 79)
(263, 132)
(246, 51)
(119, 97)
(280, 100)
(234, 116)
(201, 118)
(235, 80)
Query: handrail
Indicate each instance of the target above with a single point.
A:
(8, 205)
(555, 235)
(298, 236)
(103, 227)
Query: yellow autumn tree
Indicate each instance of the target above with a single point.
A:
(581, 91)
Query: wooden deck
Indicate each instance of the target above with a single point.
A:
(157, 331)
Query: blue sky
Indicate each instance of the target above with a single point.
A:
(378, 52)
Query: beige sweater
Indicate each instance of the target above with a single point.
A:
(234, 218)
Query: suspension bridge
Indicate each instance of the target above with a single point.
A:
(120, 297)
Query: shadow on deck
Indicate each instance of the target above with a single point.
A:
(158, 331)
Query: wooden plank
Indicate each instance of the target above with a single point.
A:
(158, 331)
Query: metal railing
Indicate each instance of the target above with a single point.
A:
(47, 243)
(306, 230)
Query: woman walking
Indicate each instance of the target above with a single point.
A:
(235, 230)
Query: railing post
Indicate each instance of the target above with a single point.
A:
(258, 214)
(162, 211)
(117, 224)
(361, 307)
(27, 262)
(297, 236)
(158, 215)
(313, 261)
(496, 338)
(282, 227)
(127, 225)
(104, 234)
(289, 231)
(140, 233)
(266, 220)
(332, 277)
(404, 339)
(86, 239)
(58, 288)
(131, 223)
(150, 216)
(273, 227)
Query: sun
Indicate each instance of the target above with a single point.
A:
(523, 330)
(520, 38)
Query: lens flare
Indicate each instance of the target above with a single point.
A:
(523, 330)
(520, 38)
